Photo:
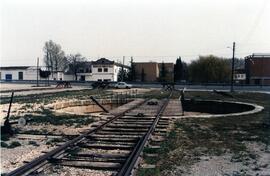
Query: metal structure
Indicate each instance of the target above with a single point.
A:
(6, 129)
(102, 107)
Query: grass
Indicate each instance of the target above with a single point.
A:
(12, 145)
(54, 140)
(194, 137)
(47, 98)
(47, 116)
(157, 94)
(34, 143)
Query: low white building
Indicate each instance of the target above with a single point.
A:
(27, 73)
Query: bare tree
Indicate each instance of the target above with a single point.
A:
(75, 62)
(54, 57)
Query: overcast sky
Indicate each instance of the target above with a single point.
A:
(145, 29)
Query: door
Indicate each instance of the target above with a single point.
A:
(20, 75)
(82, 78)
(8, 77)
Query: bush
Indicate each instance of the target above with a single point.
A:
(4, 145)
(34, 143)
(14, 144)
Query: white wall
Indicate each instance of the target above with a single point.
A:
(103, 75)
(28, 74)
(14, 73)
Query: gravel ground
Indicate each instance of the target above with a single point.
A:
(68, 171)
(225, 166)
(15, 157)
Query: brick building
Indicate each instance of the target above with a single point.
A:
(169, 69)
(152, 71)
(258, 69)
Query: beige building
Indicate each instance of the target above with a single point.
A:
(150, 71)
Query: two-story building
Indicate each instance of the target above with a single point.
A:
(258, 69)
(106, 70)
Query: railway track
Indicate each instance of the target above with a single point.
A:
(115, 145)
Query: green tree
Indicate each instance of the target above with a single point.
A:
(131, 73)
(163, 73)
(122, 75)
(143, 75)
(210, 69)
(178, 70)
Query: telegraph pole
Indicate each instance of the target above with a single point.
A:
(37, 70)
(122, 74)
(232, 76)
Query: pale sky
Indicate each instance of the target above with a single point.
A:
(145, 29)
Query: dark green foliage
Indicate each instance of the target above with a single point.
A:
(148, 172)
(14, 144)
(163, 73)
(4, 145)
(4, 137)
(143, 75)
(34, 143)
(131, 73)
(178, 70)
(122, 75)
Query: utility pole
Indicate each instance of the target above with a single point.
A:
(122, 73)
(232, 67)
(37, 70)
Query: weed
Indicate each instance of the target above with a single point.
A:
(4, 145)
(4, 137)
(148, 172)
(34, 143)
(14, 144)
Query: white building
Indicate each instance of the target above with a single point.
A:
(106, 70)
(27, 73)
(100, 70)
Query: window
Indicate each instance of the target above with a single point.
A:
(8, 77)
(99, 69)
(20, 75)
(105, 69)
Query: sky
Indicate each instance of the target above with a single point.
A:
(148, 30)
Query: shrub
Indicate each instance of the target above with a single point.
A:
(14, 144)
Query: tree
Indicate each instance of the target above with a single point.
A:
(210, 69)
(131, 73)
(54, 57)
(75, 62)
(143, 75)
(163, 73)
(178, 70)
(122, 75)
(185, 71)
